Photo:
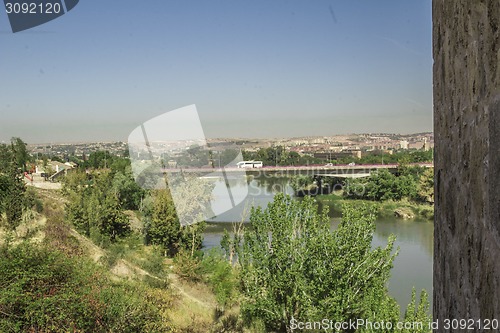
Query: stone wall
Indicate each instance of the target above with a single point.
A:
(467, 159)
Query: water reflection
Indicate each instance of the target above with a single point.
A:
(261, 191)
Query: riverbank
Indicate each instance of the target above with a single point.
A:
(403, 209)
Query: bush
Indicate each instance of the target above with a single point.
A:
(58, 233)
(45, 291)
(188, 267)
(293, 266)
(427, 212)
(154, 263)
(155, 282)
(115, 252)
(220, 276)
(32, 201)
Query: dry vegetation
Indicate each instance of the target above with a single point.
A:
(187, 306)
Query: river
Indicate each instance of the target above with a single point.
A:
(412, 267)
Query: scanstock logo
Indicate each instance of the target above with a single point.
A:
(26, 14)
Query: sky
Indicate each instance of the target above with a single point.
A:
(257, 69)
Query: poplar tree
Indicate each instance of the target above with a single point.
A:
(293, 266)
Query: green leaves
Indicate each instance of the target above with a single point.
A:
(414, 183)
(44, 291)
(418, 313)
(294, 266)
(163, 227)
(12, 163)
(94, 205)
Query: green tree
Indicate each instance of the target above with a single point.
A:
(76, 212)
(20, 153)
(94, 205)
(163, 227)
(5, 158)
(293, 266)
(112, 221)
(99, 160)
(383, 185)
(74, 181)
(14, 200)
(126, 189)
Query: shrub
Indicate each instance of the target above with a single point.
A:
(294, 267)
(45, 291)
(220, 276)
(154, 263)
(188, 267)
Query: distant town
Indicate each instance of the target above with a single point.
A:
(318, 147)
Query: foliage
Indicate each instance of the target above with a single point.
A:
(13, 200)
(425, 186)
(221, 277)
(99, 160)
(128, 192)
(94, 206)
(279, 156)
(413, 183)
(418, 313)
(294, 266)
(230, 244)
(19, 153)
(112, 221)
(42, 291)
(163, 228)
(192, 197)
(398, 157)
(301, 182)
(187, 266)
(5, 157)
(74, 182)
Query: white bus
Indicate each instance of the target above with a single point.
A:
(249, 164)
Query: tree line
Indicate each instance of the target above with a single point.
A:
(278, 155)
(411, 182)
(98, 199)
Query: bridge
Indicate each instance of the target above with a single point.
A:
(339, 171)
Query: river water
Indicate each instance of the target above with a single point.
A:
(412, 267)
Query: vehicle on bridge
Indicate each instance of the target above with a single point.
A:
(249, 164)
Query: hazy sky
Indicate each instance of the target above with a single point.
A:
(265, 68)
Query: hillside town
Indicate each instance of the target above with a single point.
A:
(319, 147)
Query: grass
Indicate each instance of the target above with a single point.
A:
(185, 306)
(189, 306)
